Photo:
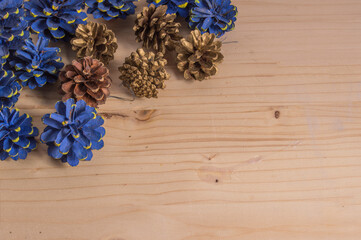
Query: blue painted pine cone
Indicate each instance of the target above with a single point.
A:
(38, 64)
(4, 53)
(9, 89)
(73, 131)
(55, 19)
(180, 7)
(8, 7)
(12, 27)
(17, 134)
(110, 9)
(213, 16)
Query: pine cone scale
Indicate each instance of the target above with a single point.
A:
(92, 86)
(79, 90)
(67, 87)
(98, 95)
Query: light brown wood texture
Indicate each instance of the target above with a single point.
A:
(269, 149)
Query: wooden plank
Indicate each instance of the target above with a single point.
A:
(267, 149)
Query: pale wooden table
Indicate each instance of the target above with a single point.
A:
(268, 149)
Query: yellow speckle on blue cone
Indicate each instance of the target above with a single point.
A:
(184, 5)
(60, 36)
(119, 7)
(46, 13)
(28, 145)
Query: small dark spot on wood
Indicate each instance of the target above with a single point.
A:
(10, 232)
(277, 114)
(210, 157)
(130, 136)
(216, 180)
(39, 232)
(146, 146)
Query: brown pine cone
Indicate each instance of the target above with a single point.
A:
(85, 79)
(95, 40)
(199, 55)
(144, 73)
(156, 29)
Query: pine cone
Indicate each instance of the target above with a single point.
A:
(73, 132)
(13, 26)
(37, 64)
(213, 16)
(156, 29)
(180, 7)
(85, 79)
(18, 134)
(55, 19)
(110, 9)
(95, 40)
(9, 89)
(144, 73)
(199, 55)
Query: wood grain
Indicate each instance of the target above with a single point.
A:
(269, 149)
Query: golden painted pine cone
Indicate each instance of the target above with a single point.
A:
(199, 55)
(144, 73)
(85, 79)
(156, 29)
(95, 40)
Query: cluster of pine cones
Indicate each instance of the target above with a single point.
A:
(197, 55)
(143, 72)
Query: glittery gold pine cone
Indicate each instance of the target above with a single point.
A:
(156, 29)
(95, 40)
(144, 73)
(199, 55)
(85, 79)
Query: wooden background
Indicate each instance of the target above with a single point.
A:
(269, 149)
